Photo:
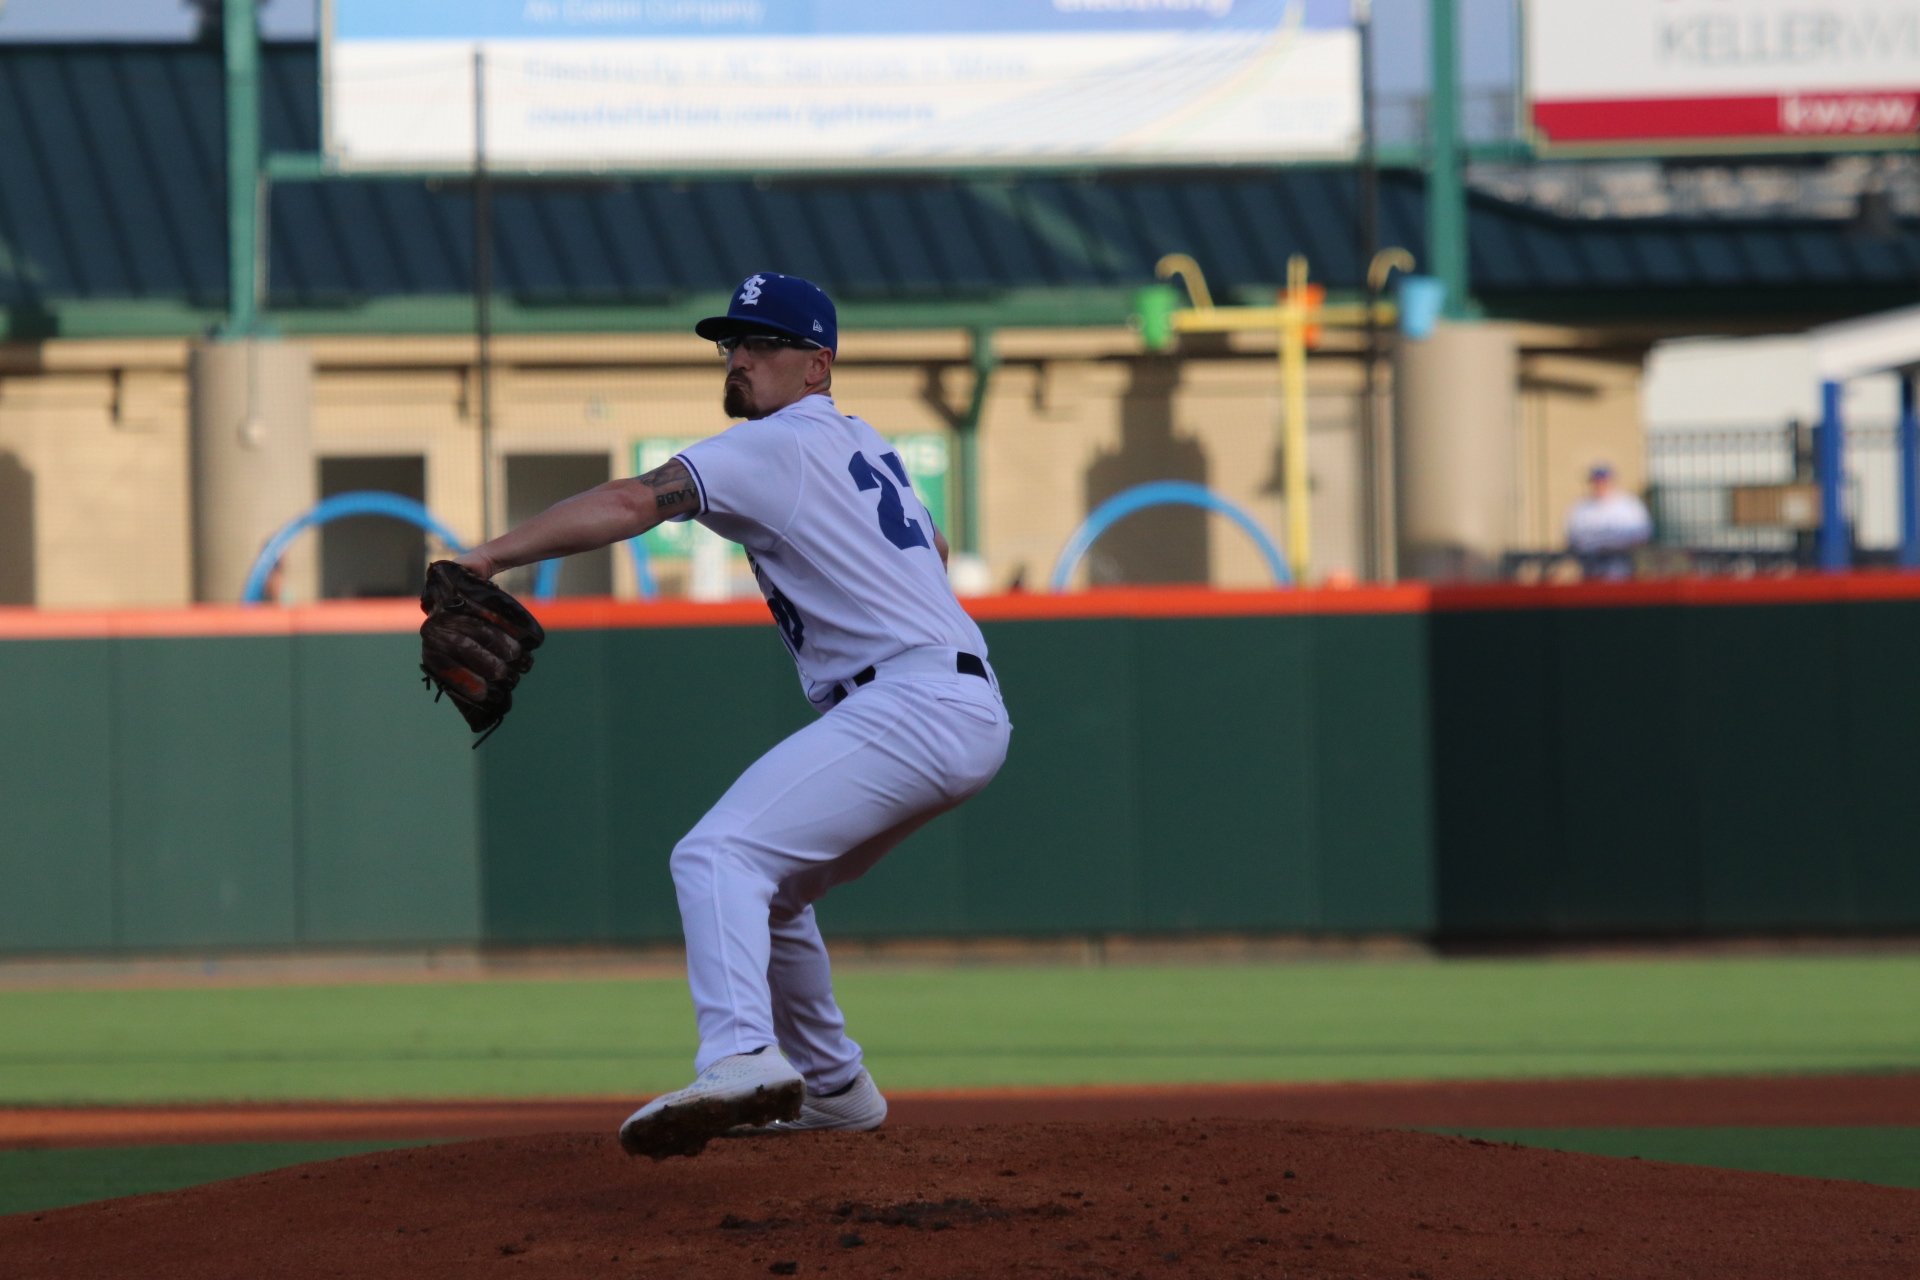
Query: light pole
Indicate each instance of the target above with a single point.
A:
(483, 289)
(1446, 167)
(1373, 453)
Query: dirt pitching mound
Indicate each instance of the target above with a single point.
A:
(1214, 1198)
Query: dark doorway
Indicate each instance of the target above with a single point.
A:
(364, 557)
(535, 481)
(17, 581)
(1162, 544)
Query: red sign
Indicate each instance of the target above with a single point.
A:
(1812, 115)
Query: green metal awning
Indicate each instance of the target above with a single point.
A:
(112, 221)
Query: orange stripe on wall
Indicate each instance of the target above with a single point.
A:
(1807, 589)
(210, 620)
(1195, 602)
(585, 614)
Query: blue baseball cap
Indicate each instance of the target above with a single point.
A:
(768, 302)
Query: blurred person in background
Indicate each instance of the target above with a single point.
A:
(1605, 527)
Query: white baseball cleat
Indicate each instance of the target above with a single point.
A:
(745, 1088)
(857, 1108)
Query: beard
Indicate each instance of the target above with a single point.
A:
(736, 401)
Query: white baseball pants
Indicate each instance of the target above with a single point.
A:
(816, 811)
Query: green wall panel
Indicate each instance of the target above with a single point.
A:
(386, 797)
(1628, 860)
(619, 742)
(1496, 773)
(1225, 774)
(544, 781)
(1881, 708)
(692, 708)
(1053, 845)
(204, 823)
(917, 890)
(1375, 808)
(1770, 764)
(1666, 770)
(56, 795)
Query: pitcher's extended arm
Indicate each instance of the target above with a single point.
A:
(612, 512)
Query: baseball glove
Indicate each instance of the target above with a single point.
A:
(475, 645)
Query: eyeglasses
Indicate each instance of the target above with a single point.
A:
(760, 344)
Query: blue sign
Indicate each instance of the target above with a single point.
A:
(574, 19)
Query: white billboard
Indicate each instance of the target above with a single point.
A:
(1794, 72)
(851, 84)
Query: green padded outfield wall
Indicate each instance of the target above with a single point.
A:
(388, 817)
(1262, 773)
(229, 792)
(273, 790)
(1677, 769)
(57, 820)
(1564, 764)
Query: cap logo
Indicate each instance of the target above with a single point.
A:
(750, 291)
(817, 327)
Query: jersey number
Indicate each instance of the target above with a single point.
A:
(902, 531)
(793, 629)
(788, 617)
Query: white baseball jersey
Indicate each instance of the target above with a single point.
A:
(841, 545)
(1616, 522)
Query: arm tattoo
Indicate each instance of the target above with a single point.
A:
(672, 486)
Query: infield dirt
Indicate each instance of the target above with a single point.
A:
(1227, 1196)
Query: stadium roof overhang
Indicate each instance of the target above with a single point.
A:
(112, 224)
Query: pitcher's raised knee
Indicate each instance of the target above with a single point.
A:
(695, 862)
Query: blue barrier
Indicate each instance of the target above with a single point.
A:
(377, 502)
(1157, 493)
(546, 579)
(359, 502)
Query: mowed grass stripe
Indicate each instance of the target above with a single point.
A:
(987, 1025)
(1890, 1156)
(35, 1180)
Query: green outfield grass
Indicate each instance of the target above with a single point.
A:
(986, 1025)
(32, 1180)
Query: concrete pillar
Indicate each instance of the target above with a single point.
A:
(253, 467)
(1456, 418)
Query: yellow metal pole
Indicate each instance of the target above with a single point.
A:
(1293, 380)
(1183, 265)
(1289, 321)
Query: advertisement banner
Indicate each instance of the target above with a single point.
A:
(743, 85)
(1799, 72)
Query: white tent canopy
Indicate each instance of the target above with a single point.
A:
(1884, 343)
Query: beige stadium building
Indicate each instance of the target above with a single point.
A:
(99, 437)
(989, 323)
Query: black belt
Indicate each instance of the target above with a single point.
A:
(964, 663)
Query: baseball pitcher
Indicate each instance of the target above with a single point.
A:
(911, 721)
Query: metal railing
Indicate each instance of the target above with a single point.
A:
(1692, 477)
